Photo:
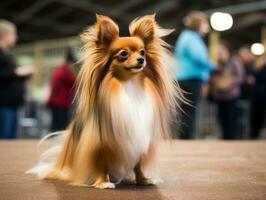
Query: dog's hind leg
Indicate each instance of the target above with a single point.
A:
(145, 170)
(141, 179)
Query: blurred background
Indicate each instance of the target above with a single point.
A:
(48, 47)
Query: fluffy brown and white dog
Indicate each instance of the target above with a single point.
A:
(126, 94)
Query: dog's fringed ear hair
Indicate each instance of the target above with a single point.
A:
(107, 29)
(147, 29)
(143, 27)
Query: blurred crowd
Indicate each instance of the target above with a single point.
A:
(224, 80)
(12, 86)
(232, 76)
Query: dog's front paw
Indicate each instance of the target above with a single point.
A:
(157, 181)
(149, 181)
(104, 185)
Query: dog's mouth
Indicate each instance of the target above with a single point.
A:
(135, 68)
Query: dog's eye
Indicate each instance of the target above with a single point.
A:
(124, 54)
(142, 52)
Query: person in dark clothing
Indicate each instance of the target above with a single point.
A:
(192, 69)
(225, 83)
(62, 93)
(248, 61)
(11, 82)
(258, 103)
(192, 93)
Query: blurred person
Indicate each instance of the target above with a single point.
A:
(62, 93)
(248, 61)
(193, 67)
(226, 82)
(12, 80)
(258, 101)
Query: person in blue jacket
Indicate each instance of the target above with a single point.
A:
(193, 67)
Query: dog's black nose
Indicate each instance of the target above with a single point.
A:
(140, 61)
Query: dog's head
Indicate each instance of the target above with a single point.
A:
(126, 55)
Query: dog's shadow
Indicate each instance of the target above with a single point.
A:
(122, 191)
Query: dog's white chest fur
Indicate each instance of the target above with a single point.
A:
(133, 123)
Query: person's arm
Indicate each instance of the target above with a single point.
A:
(9, 71)
(197, 51)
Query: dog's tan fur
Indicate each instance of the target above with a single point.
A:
(97, 147)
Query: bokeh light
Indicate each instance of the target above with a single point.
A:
(257, 49)
(221, 21)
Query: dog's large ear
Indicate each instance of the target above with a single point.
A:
(107, 29)
(143, 27)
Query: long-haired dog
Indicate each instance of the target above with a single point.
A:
(126, 94)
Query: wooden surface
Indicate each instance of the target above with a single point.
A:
(190, 169)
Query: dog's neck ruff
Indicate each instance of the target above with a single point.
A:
(132, 116)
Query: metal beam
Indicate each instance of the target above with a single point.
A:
(125, 5)
(159, 8)
(59, 13)
(37, 21)
(240, 8)
(249, 20)
(84, 5)
(93, 8)
(31, 10)
(58, 26)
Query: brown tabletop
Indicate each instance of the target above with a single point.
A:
(190, 169)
